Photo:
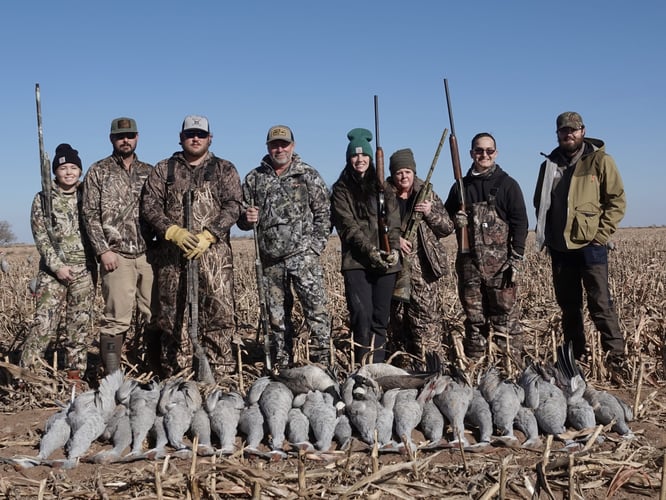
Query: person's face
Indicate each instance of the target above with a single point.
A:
(281, 152)
(195, 142)
(570, 139)
(483, 153)
(124, 144)
(404, 179)
(360, 162)
(67, 175)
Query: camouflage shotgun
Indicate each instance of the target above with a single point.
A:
(45, 168)
(381, 198)
(402, 289)
(199, 360)
(463, 235)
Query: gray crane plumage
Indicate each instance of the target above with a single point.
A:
(224, 410)
(118, 431)
(322, 415)
(56, 433)
(551, 409)
(407, 413)
(432, 422)
(275, 403)
(143, 401)
(608, 408)
(526, 423)
(580, 414)
(480, 416)
(302, 379)
(178, 402)
(201, 427)
(505, 399)
(452, 398)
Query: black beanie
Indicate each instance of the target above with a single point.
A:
(402, 158)
(66, 154)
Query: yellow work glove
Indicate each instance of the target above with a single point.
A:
(185, 240)
(206, 239)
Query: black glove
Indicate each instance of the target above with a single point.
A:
(511, 269)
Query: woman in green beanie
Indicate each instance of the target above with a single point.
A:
(369, 273)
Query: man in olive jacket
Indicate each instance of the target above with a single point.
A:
(580, 202)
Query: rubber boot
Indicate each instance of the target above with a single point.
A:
(110, 350)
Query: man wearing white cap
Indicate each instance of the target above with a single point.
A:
(215, 190)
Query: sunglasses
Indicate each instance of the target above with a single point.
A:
(488, 151)
(124, 135)
(191, 134)
(568, 130)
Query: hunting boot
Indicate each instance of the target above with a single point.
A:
(474, 344)
(110, 350)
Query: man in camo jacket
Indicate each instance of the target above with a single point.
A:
(288, 204)
(216, 206)
(112, 190)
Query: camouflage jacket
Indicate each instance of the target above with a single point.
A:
(111, 198)
(434, 226)
(217, 196)
(69, 246)
(294, 209)
(357, 224)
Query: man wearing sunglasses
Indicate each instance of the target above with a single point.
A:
(580, 202)
(288, 205)
(211, 187)
(112, 190)
(496, 219)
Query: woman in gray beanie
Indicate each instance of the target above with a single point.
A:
(369, 273)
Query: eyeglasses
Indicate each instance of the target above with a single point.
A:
(568, 130)
(191, 134)
(124, 135)
(488, 151)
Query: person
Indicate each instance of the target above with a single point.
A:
(580, 201)
(369, 271)
(288, 205)
(213, 186)
(496, 221)
(111, 194)
(66, 278)
(416, 312)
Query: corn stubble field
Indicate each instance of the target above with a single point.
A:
(617, 467)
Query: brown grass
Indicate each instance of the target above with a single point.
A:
(619, 468)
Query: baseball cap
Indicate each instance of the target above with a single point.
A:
(279, 133)
(569, 119)
(123, 124)
(195, 122)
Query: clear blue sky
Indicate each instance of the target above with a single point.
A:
(512, 67)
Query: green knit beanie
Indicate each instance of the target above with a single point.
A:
(359, 142)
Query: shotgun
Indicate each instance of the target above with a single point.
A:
(199, 359)
(263, 304)
(45, 169)
(463, 234)
(381, 197)
(402, 290)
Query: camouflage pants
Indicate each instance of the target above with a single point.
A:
(416, 326)
(75, 301)
(485, 301)
(305, 275)
(216, 313)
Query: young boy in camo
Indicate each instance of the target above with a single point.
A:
(65, 283)
(496, 218)
(288, 202)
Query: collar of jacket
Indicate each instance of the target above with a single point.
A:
(591, 145)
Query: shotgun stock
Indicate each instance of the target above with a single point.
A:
(462, 233)
(381, 197)
(200, 361)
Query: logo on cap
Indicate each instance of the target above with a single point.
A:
(280, 133)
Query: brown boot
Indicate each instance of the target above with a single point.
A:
(110, 350)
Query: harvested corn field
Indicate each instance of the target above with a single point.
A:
(615, 467)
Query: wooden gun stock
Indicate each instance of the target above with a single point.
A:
(462, 233)
(382, 220)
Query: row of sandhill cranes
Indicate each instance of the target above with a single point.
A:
(305, 408)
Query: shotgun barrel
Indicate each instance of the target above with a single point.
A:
(382, 219)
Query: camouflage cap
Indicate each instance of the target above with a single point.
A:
(569, 119)
(279, 133)
(123, 124)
